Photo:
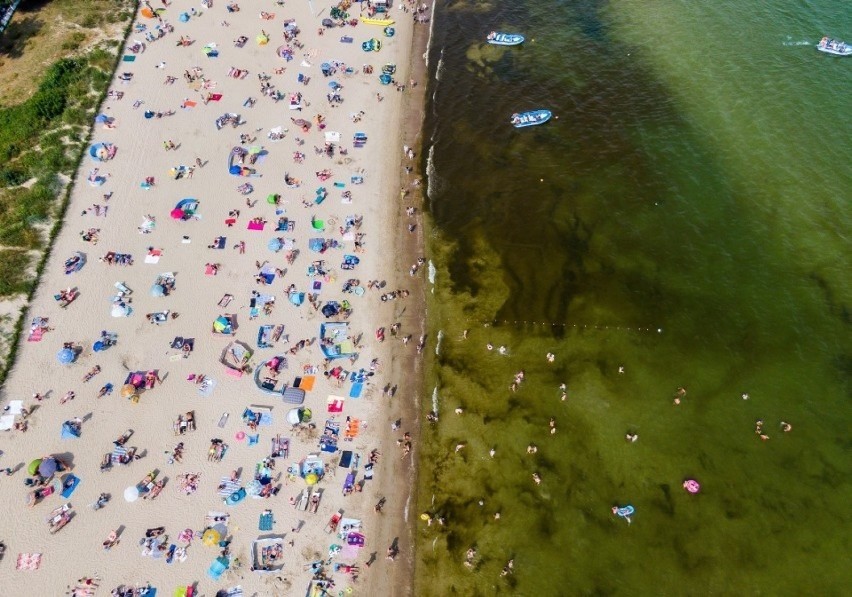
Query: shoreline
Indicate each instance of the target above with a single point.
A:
(141, 346)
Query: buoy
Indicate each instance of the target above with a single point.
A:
(692, 486)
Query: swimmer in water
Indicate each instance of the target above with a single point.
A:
(503, 350)
(631, 437)
(551, 357)
(532, 449)
(459, 410)
(621, 369)
(786, 427)
(492, 452)
(536, 478)
(460, 447)
(496, 516)
(489, 346)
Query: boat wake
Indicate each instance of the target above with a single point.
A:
(798, 43)
(438, 345)
(435, 400)
(432, 273)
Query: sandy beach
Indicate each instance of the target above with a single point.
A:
(248, 183)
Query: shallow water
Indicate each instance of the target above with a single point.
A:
(686, 217)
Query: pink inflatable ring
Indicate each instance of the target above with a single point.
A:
(692, 486)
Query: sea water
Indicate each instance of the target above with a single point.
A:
(682, 222)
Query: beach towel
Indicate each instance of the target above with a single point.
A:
(128, 58)
(36, 335)
(190, 104)
(209, 270)
(227, 487)
(7, 422)
(256, 225)
(355, 392)
(265, 523)
(28, 561)
(345, 459)
(207, 386)
(220, 242)
(335, 404)
(253, 440)
(153, 256)
(215, 97)
(70, 485)
(307, 382)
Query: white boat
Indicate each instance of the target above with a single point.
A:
(531, 118)
(834, 47)
(504, 39)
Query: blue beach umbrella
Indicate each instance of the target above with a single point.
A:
(158, 290)
(65, 356)
(184, 17)
(274, 244)
(98, 346)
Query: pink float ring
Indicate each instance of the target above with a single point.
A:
(240, 436)
(692, 486)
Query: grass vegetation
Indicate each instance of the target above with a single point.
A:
(56, 61)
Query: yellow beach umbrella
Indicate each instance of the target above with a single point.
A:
(211, 537)
(127, 390)
(311, 479)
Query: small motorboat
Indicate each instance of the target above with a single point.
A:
(531, 118)
(834, 47)
(504, 39)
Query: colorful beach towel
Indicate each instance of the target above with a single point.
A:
(128, 58)
(256, 225)
(355, 392)
(28, 561)
(335, 404)
(307, 382)
(215, 97)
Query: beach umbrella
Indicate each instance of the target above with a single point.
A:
(48, 467)
(178, 213)
(131, 494)
(158, 290)
(102, 118)
(274, 244)
(98, 346)
(127, 390)
(311, 479)
(32, 468)
(262, 39)
(119, 310)
(211, 537)
(255, 149)
(65, 356)
(184, 17)
(235, 170)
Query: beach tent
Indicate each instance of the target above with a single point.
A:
(102, 151)
(32, 467)
(299, 415)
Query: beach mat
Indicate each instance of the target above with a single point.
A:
(215, 97)
(255, 226)
(74, 481)
(307, 383)
(265, 522)
(128, 58)
(355, 392)
(335, 404)
(190, 104)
